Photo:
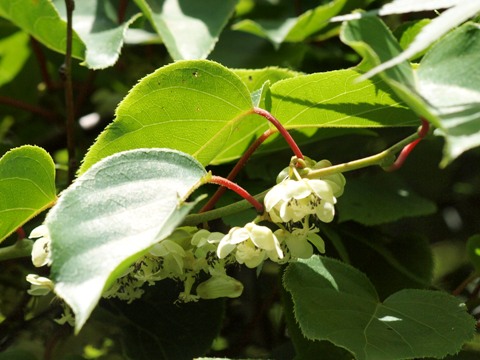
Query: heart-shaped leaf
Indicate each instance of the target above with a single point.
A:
(27, 186)
(113, 213)
(196, 107)
(333, 301)
(189, 28)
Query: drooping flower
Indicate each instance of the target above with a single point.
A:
(39, 285)
(293, 200)
(41, 246)
(252, 244)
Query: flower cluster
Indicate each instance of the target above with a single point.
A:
(186, 255)
(291, 205)
(198, 258)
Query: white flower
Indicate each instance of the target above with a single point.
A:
(41, 247)
(293, 200)
(299, 242)
(253, 244)
(39, 285)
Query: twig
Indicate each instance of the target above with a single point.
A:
(42, 63)
(66, 73)
(49, 115)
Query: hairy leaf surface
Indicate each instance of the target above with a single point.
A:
(111, 215)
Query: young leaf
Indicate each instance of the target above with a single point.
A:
(297, 29)
(189, 28)
(103, 36)
(333, 301)
(337, 99)
(111, 215)
(193, 106)
(27, 186)
(14, 52)
(41, 20)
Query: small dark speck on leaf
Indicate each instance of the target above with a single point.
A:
(250, 78)
(195, 73)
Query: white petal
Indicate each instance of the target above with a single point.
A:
(325, 212)
(39, 231)
(41, 252)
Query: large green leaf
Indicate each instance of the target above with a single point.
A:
(193, 106)
(333, 301)
(112, 214)
(27, 186)
(41, 20)
(14, 52)
(337, 99)
(380, 199)
(103, 36)
(188, 28)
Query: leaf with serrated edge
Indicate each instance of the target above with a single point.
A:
(334, 301)
(195, 106)
(27, 186)
(111, 215)
(337, 99)
(189, 28)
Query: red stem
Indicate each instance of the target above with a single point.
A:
(236, 169)
(42, 63)
(238, 189)
(293, 145)
(122, 9)
(422, 132)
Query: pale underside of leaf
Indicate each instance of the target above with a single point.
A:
(111, 215)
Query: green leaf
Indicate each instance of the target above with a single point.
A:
(333, 301)
(255, 78)
(111, 215)
(447, 82)
(188, 28)
(337, 99)
(473, 250)
(27, 186)
(155, 327)
(14, 52)
(380, 199)
(406, 260)
(444, 91)
(438, 27)
(306, 348)
(407, 32)
(297, 29)
(102, 35)
(41, 20)
(197, 107)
